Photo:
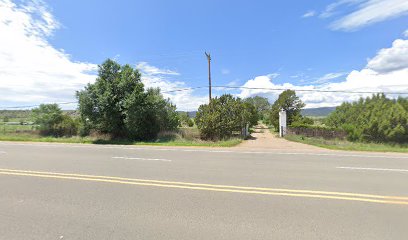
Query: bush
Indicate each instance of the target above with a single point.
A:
(224, 116)
(374, 119)
(52, 121)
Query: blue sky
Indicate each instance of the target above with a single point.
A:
(338, 45)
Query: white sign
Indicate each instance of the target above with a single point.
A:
(282, 123)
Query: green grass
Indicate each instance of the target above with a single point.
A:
(336, 144)
(8, 128)
(26, 137)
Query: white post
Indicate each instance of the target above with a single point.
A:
(282, 123)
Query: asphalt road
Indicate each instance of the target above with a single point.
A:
(62, 191)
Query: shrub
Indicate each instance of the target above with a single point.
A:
(223, 116)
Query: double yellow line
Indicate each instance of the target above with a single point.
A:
(217, 188)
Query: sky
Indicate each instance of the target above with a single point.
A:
(51, 49)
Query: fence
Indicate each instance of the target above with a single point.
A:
(317, 132)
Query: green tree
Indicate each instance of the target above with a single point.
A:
(117, 104)
(224, 116)
(261, 105)
(52, 121)
(373, 119)
(6, 119)
(289, 102)
(47, 116)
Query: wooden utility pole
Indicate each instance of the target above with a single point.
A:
(209, 75)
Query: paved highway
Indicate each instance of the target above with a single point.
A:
(70, 191)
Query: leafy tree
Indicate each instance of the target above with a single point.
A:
(374, 119)
(52, 121)
(223, 116)
(117, 104)
(6, 119)
(261, 105)
(289, 102)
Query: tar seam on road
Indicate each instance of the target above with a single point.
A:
(217, 188)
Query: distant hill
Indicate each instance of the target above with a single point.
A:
(315, 112)
(191, 114)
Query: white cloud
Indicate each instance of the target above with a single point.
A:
(309, 14)
(164, 79)
(364, 12)
(391, 59)
(405, 33)
(384, 72)
(331, 9)
(329, 76)
(152, 70)
(31, 70)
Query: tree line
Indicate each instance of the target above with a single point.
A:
(118, 104)
(373, 119)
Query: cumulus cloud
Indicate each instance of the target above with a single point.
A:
(31, 70)
(361, 13)
(405, 33)
(383, 73)
(391, 59)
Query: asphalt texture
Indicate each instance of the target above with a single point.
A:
(73, 191)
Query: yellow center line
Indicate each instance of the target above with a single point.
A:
(218, 188)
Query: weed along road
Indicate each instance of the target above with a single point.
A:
(72, 191)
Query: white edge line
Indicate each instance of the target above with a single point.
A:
(375, 169)
(143, 159)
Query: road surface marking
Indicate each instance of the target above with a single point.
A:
(157, 148)
(375, 169)
(144, 159)
(217, 188)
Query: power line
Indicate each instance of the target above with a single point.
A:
(313, 90)
(31, 106)
(239, 87)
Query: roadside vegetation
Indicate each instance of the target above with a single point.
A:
(337, 144)
(117, 109)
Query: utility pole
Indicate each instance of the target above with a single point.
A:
(209, 75)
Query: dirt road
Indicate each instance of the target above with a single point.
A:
(262, 138)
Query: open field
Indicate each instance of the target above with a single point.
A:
(336, 144)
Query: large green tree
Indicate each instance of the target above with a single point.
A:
(118, 104)
(289, 102)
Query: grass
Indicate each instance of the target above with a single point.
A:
(9, 128)
(337, 144)
(163, 141)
